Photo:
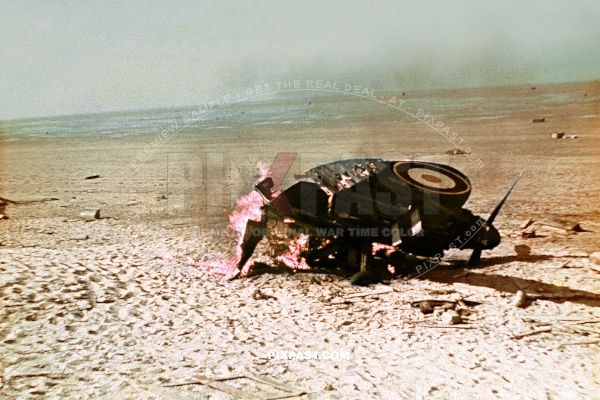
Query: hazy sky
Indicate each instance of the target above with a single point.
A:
(66, 57)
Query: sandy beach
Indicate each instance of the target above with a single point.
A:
(92, 309)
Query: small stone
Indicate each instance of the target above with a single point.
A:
(94, 329)
(80, 270)
(455, 152)
(426, 307)
(264, 294)
(10, 338)
(520, 299)
(451, 317)
(558, 135)
(543, 119)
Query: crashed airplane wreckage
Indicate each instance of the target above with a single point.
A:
(366, 215)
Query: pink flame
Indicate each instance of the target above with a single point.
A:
(248, 208)
(292, 258)
(377, 247)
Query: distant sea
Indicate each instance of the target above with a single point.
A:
(293, 108)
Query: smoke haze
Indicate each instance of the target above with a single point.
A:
(69, 57)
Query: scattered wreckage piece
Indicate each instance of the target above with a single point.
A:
(457, 326)
(531, 332)
(90, 215)
(583, 343)
(369, 293)
(29, 201)
(534, 229)
(561, 224)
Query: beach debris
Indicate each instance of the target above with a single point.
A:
(526, 223)
(92, 177)
(520, 299)
(583, 322)
(529, 234)
(90, 215)
(369, 293)
(79, 237)
(539, 119)
(558, 135)
(531, 332)
(28, 201)
(451, 317)
(457, 326)
(566, 265)
(559, 346)
(561, 224)
(455, 152)
(441, 303)
(573, 136)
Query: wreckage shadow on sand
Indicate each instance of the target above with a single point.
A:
(511, 284)
(474, 277)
